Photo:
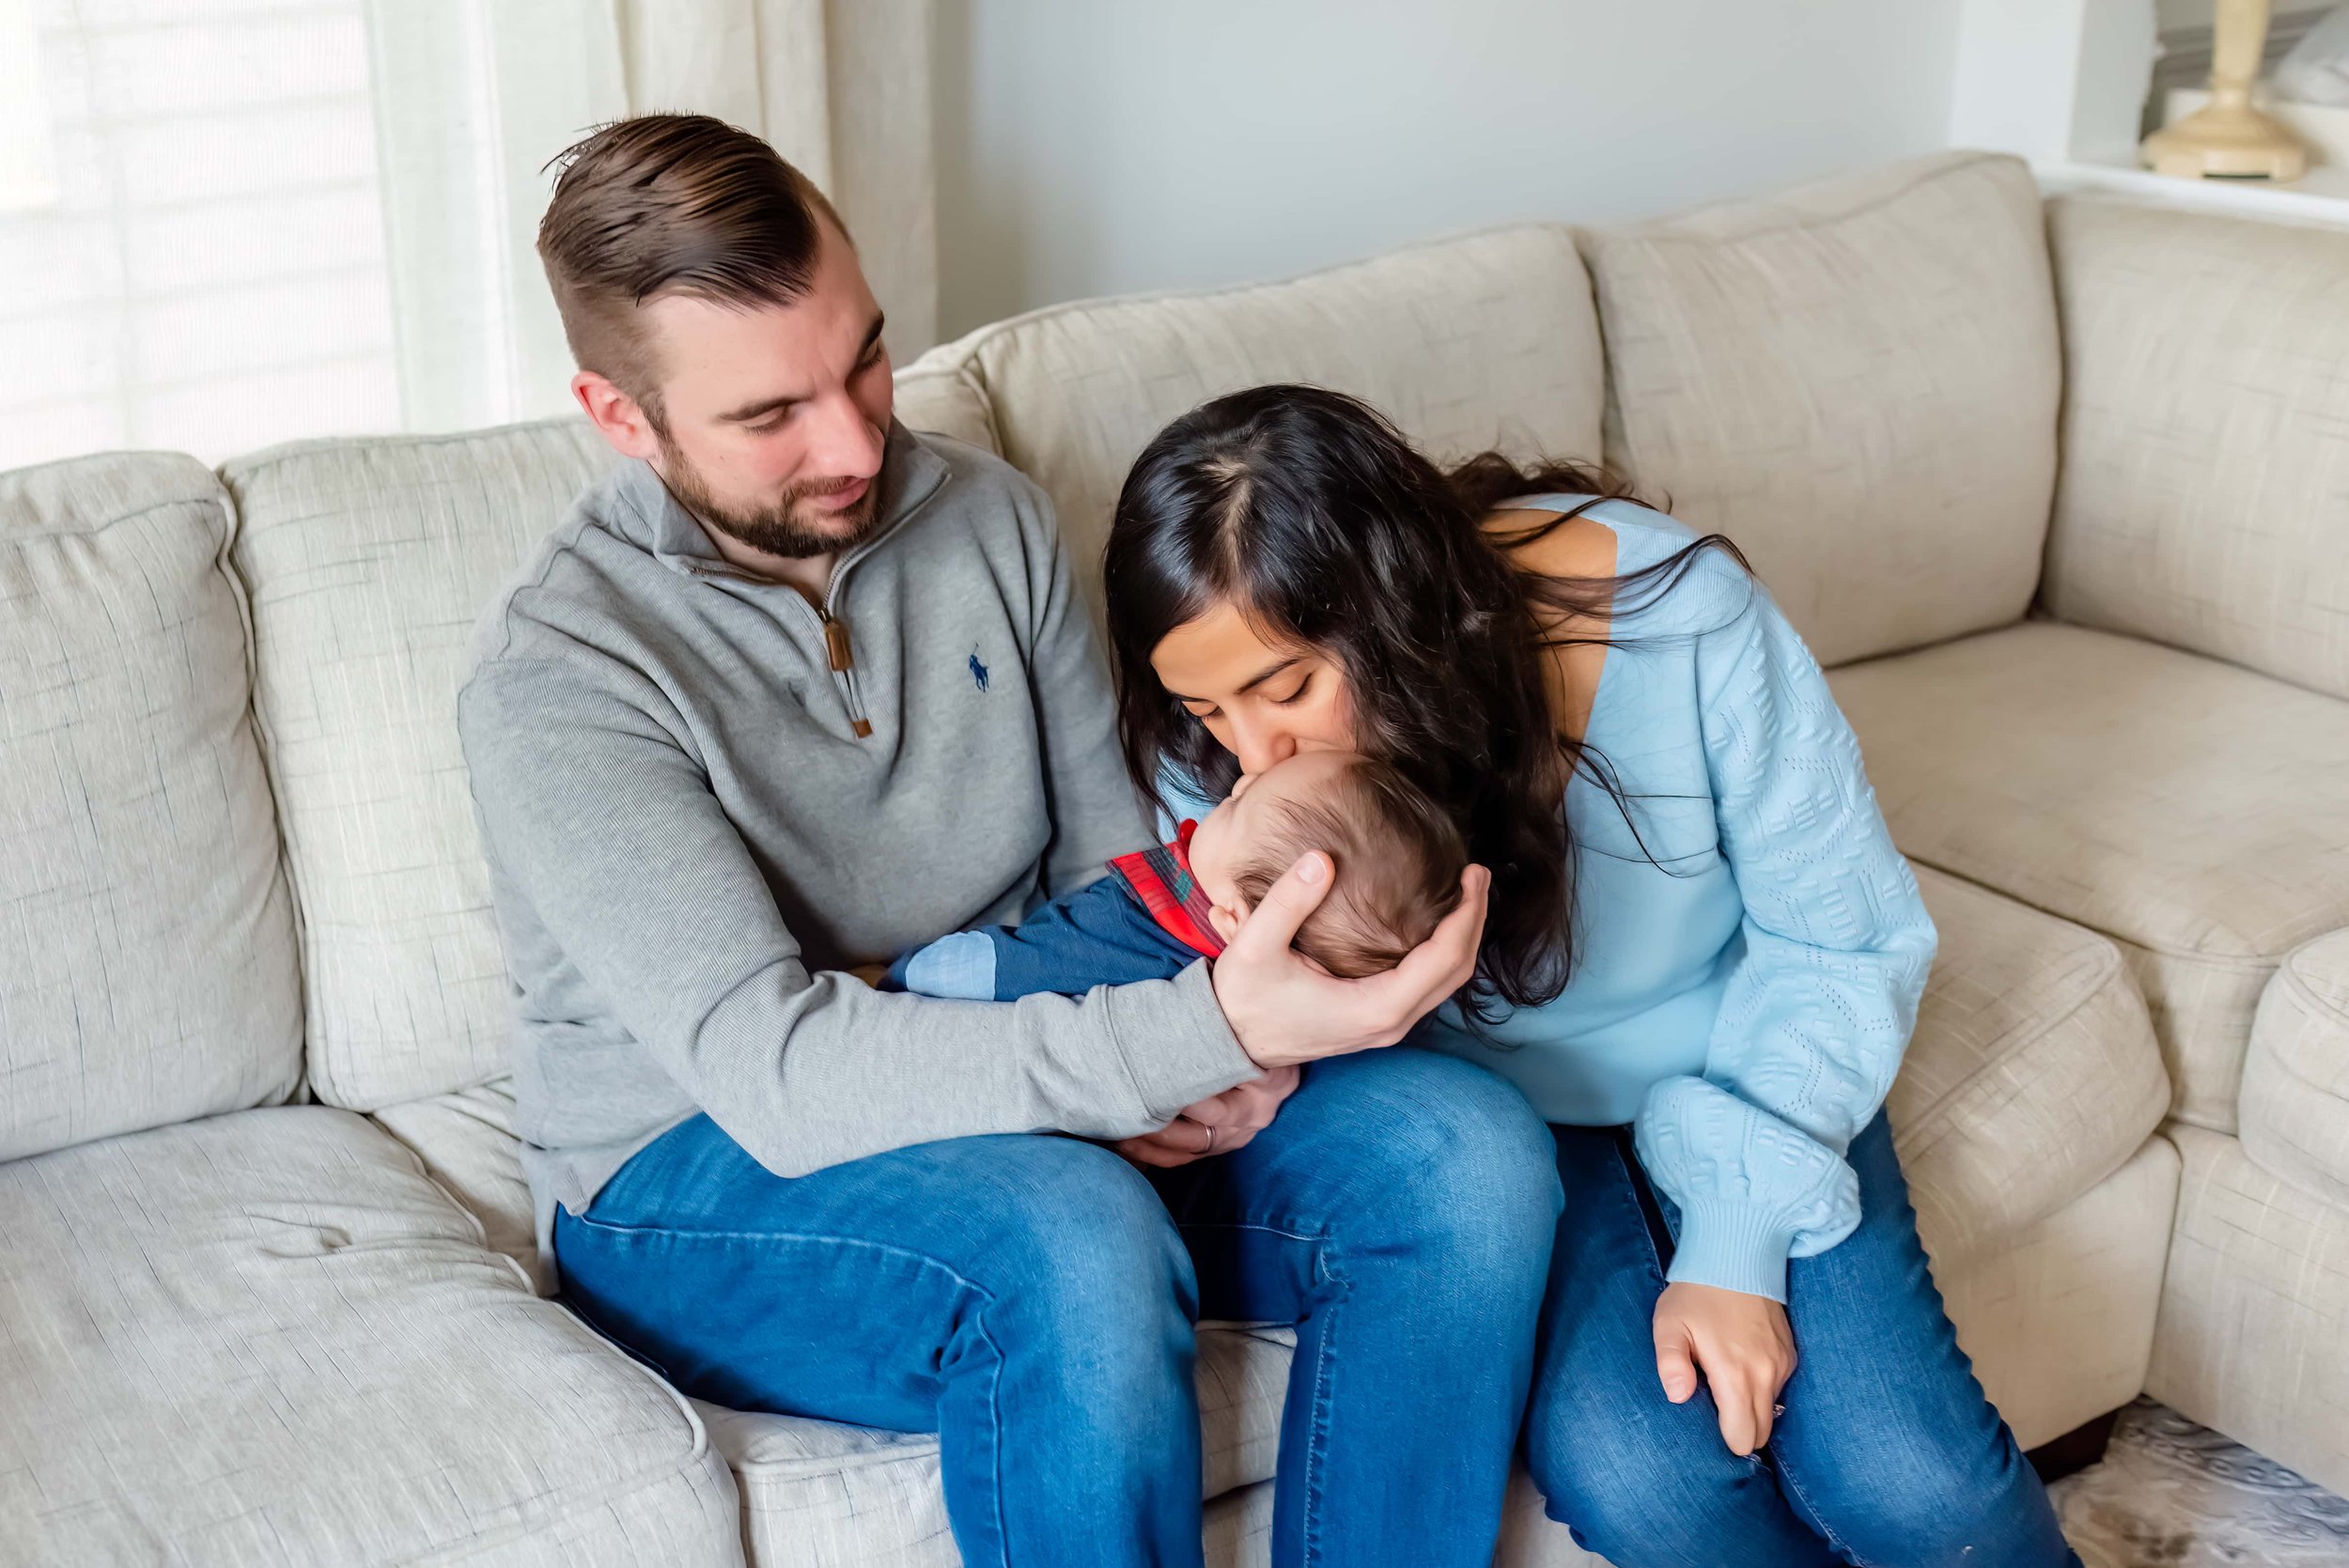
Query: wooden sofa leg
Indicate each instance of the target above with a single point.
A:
(2076, 1449)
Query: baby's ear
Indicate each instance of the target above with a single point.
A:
(1227, 920)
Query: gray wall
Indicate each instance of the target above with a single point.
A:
(1094, 146)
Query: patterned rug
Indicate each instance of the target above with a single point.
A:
(2169, 1493)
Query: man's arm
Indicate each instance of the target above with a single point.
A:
(1096, 813)
(599, 820)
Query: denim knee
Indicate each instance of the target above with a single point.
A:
(1633, 1499)
(1087, 1275)
(1457, 1162)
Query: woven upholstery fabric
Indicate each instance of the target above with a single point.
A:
(2255, 1311)
(2191, 810)
(148, 971)
(1856, 381)
(2206, 435)
(466, 1141)
(2033, 1074)
(819, 1495)
(1470, 344)
(2295, 1081)
(368, 561)
(938, 392)
(265, 1339)
(2059, 1319)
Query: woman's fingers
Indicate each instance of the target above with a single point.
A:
(1675, 1367)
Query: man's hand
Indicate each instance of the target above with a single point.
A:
(1284, 1010)
(1742, 1344)
(1215, 1125)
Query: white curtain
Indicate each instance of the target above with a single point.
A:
(473, 97)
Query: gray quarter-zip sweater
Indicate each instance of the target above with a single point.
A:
(701, 796)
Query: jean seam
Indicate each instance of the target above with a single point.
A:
(1317, 1434)
(1628, 1194)
(985, 1298)
(1317, 1420)
(923, 1258)
(1786, 1475)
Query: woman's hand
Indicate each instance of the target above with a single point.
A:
(1284, 1010)
(1215, 1126)
(1743, 1346)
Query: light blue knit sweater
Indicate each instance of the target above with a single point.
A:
(1746, 1003)
(1744, 997)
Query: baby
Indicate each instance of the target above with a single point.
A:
(1398, 859)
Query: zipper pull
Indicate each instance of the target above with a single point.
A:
(842, 659)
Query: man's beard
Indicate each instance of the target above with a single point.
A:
(790, 526)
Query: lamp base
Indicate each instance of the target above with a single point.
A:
(2226, 141)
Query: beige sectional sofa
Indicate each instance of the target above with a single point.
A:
(2060, 491)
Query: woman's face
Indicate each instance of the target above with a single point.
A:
(1265, 702)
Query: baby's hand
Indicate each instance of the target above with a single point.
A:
(872, 974)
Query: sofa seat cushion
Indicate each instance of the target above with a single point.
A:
(2192, 810)
(1856, 380)
(2031, 1076)
(266, 1338)
(147, 968)
(2295, 1083)
(817, 1492)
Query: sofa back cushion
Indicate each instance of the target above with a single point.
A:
(1469, 344)
(1856, 381)
(147, 972)
(368, 561)
(2205, 494)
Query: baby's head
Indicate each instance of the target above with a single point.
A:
(1398, 857)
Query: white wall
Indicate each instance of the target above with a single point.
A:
(1092, 147)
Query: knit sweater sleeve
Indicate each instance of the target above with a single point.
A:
(1821, 994)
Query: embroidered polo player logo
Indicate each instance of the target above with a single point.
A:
(979, 671)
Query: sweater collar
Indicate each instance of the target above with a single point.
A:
(911, 474)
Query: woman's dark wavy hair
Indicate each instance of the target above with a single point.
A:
(1311, 512)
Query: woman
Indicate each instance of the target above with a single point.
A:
(1700, 964)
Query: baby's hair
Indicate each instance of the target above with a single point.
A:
(1397, 858)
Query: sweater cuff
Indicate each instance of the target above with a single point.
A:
(1733, 1245)
(1182, 1054)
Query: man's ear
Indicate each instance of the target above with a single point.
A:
(618, 417)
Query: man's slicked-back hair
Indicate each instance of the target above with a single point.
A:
(671, 204)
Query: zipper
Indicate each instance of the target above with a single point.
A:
(839, 651)
(841, 655)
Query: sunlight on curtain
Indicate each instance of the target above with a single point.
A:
(233, 225)
(474, 97)
(208, 272)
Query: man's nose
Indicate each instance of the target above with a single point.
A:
(847, 446)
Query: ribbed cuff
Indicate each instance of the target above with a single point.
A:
(1734, 1246)
(1181, 1054)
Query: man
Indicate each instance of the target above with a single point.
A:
(793, 689)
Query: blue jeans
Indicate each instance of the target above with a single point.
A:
(1031, 1299)
(1888, 1453)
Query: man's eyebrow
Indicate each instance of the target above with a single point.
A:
(766, 406)
(1262, 675)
